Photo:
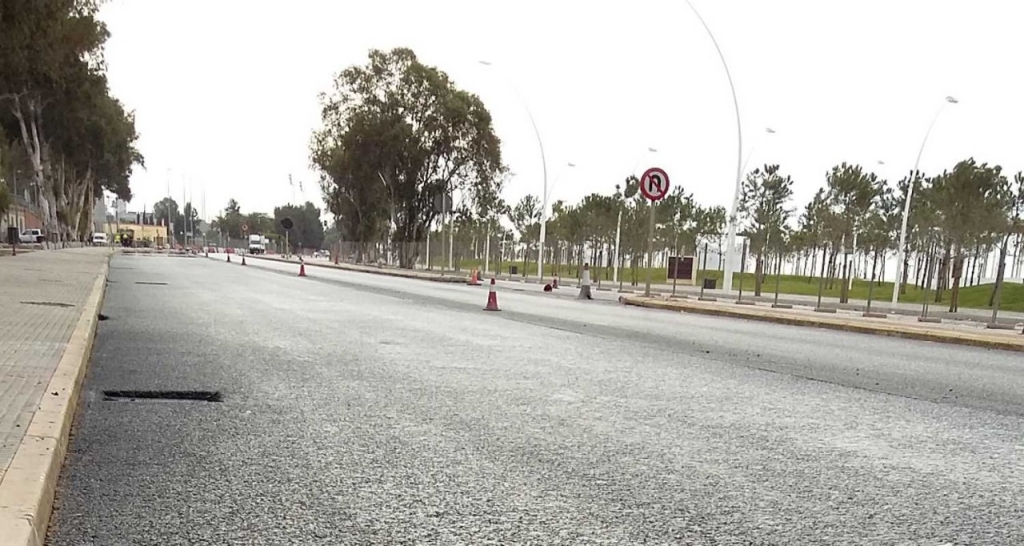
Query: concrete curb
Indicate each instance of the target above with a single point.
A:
(28, 488)
(890, 330)
(371, 270)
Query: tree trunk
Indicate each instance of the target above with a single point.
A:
(758, 270)
(942, 278)
(1000, 270)
(844, 292)
(958, 269)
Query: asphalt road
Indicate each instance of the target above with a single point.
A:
(361, 409)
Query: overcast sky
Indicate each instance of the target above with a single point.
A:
(225, 92)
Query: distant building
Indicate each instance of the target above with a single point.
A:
(21, 215)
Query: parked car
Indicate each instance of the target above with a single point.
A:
(32, 236)
(99, 239)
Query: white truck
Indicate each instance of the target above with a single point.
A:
(257, 244)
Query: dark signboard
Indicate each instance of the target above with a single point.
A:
(680, 267)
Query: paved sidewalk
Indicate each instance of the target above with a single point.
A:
(42, 295)
(949, 331)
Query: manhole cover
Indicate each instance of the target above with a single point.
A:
(200, 396)
(47, 303)
(152, 283)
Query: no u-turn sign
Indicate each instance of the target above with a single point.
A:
(654, 184)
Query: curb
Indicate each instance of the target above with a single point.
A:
(29, 486)
(384, 272)
(955, 338)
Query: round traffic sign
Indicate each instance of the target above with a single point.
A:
(245, 228)
(654, 184)
(287, 223)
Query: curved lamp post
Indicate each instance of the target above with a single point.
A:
(729, 249)
(750, 154)
(544, 167)
(901, 251)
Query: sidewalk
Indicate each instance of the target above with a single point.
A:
(48, 305)
(956, 332)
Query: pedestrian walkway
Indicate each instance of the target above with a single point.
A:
(42, 298)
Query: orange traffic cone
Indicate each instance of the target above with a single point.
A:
(243, 259)
(474, 279)
(302, 269)
(492, 299)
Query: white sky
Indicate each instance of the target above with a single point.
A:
(225, 91)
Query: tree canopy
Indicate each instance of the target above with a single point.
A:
(396, 134)
(56, 106)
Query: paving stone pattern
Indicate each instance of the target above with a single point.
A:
(41, 299)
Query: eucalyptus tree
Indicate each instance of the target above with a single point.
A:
(396, 134)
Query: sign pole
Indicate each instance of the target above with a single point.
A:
(650, 253)
(654, 186)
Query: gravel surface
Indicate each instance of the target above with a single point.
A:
(370, 410)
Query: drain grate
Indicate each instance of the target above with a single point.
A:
(47, 303)
(152, 283)
(199, 396)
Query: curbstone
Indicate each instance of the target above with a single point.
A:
(28, 488)
(375, 271)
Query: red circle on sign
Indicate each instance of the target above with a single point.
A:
(654, 184)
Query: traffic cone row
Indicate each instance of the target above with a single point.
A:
(229, 257)
(243, 259)
(474, 279)
(554, 282)
(492, 299)
(302, 269)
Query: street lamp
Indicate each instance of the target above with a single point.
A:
(901, 251)
(544, 221)
(750, 154)
(544, 167)
(618, 223)
(729, 250)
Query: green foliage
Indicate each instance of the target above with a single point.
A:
(5, 199)
(55, 102)
(396, 134)
(230, 222)
(307, 230)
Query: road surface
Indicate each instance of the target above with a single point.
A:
(361, 409)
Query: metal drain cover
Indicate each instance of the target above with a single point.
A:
(199, 396)
(47, 303)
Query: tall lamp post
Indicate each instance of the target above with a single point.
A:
(544, 223)
(901, 251)
(618, 223)
(730, 249)
(544, 167)
(750, 154)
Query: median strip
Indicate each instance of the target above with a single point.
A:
(402, 273)
(1009, 342)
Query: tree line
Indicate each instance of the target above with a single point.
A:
(399, 141)
(64, 139)
(307, 230)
